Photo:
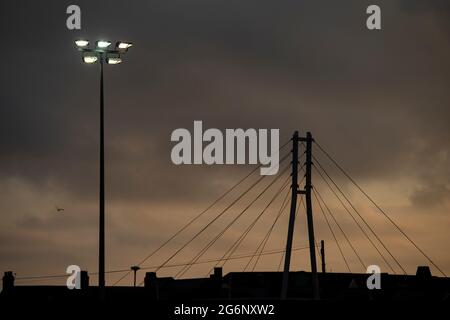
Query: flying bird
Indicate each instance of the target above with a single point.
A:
(58, 209)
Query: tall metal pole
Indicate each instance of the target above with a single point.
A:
(294, 191)
(322, 255)
(92, 55)
(101, 233)
(308, 188)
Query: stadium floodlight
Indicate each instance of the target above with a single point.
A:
(102, 44)
(90, 58)
(122, 45)
(81, 43)
(101, 54)
(113, 60)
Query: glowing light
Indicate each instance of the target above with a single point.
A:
(81, 43)
(102, 44)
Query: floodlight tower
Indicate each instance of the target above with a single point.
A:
(101, 53)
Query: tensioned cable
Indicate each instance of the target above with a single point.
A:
(332, 232)
(199, 215)
(264, 245)
(365, 222)
(380, 209)
(281, 260)
(263, 242)
(268, 234)
(347, 210)
(206, 248)
(213, 241)
(212, 221)
(190, 222)
(318, 254)
(128, 271)
(283, 205)
(317, 194)
(238, 242)
(352, 216)
(317, 246)
(217, 217)
(240, 256)
(176, 233)
(335, 238)
(58, 276)
(267, 240)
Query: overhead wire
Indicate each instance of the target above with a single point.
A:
(240, 256)
(206, 248)
(284, 253)
(217, 217)
(349, 212)
(199, 215)
(379, 208)
(319, 197)
(283, 205)
(334, 235)
(239, 241)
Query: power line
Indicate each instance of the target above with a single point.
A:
(206, 248)
(264, 245)
(282, 256)
(318, 254)
(349, 212)
(217, 217)
(329, 226)
(191, 222)
(281, 260)
(234, 257)
(365, 222)
(380, 209)
(198, 216)
(273, 225)
(332, 232)
(267, 236)
(317, 194)
(240, 256)
(238, 242)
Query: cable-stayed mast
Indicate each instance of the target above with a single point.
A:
(307, 193)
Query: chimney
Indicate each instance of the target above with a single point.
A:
(150, 279)
(217, 273)
(151, 284)
(8, 281)
(423, 273)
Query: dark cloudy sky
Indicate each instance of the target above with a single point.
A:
(377, 100)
